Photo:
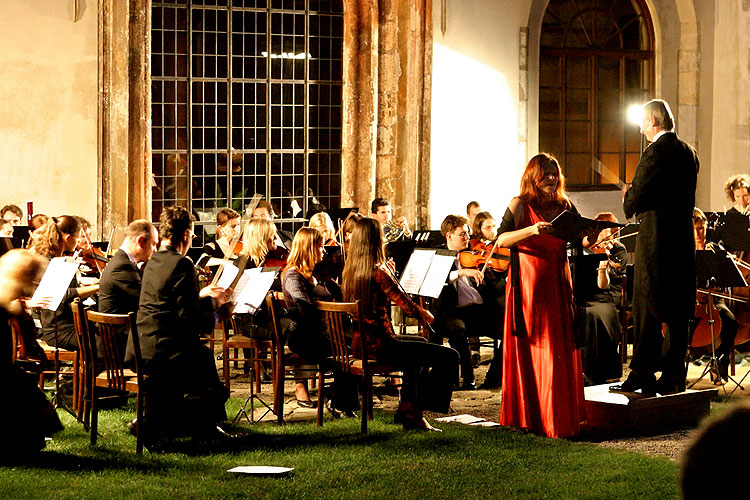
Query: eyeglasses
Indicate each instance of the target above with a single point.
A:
(193, 235)
(462, 234)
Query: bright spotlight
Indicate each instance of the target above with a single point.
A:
(635, 114)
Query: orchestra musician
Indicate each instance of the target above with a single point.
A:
(728, 330)
(6, 229)
(542, 378)
(662, 197)
(484, 231)
(60, 235)
(322, 222)
(737, 189)
(365, 279)
(227, 225)
(182, 388)
(472, 209)
(36, 223)
(264, 210)
(602, 329)
(459, 311)
(120, 284)
(27, 414)
(348, 226)
(393, 229)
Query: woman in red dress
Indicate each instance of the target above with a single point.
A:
(543, 380)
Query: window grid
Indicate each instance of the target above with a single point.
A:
(246, 98)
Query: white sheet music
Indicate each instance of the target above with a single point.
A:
(416, 269)
(228, 274)
(433, 282)
(252, 288)
(56, 280)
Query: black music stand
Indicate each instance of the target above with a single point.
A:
(715, 269)
(733, 230)
(400, 252)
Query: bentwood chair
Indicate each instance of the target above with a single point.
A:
(284, 358)
(337, 316)
(115, 376)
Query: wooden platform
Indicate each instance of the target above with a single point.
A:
(620, 412)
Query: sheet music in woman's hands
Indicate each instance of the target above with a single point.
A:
(252, 288)
(56, 281)
(426, 271)
(228, 273)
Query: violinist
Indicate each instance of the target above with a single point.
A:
(6, 229)
(737, 189)
(460, 311)
(35, 224)
(728, 322)
(602, 329)
(472, 209)
(322, 222)
(227, 225)
(492, 289)
(348, 226)
(264, 210)
(60, 235)
(94, 259)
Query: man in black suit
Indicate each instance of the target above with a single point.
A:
(120, 285)
(662, 198)
(183, 390)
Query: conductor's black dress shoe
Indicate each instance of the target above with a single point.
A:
(646, 383)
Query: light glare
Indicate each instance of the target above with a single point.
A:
(635, 114)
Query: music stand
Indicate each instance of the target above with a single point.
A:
(715, 270)
(733, 230)
(400, 252)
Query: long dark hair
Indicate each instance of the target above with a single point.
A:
(534, 173)
(50, 242)
(365, 254)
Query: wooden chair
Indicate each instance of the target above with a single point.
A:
(86, 364)
(285, 358)
(335, 314)
(115, 376)
(237, 343)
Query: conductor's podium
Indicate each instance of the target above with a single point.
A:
(612, 411)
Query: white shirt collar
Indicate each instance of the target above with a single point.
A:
(130, 255)
(659, 134)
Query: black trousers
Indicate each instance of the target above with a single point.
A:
(183, 395)
(655, 351)
(457, 326)
(430, 372)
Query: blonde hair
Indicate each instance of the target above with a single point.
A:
(322, 222)
(258, 232)
(304, 253)
(19, 271)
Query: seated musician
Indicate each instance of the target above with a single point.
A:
(602, 334)
(492, 289)
(306, 329)
(12, 213)
(460, 311)
(264, 210)
(737, 189)
(323, 223)
(6, 229)
(59, 236)
(120, 285)
(393, 230)
(27, 414)
(365, 279)
(227, 225)
(36, 224)
(348, 226)
(728, 322)
(472, 209)
(183, 391)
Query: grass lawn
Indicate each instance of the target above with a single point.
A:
(463, 462)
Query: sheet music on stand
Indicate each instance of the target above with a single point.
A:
(426, 271)
(252, 288)
(56, 280)
(226, 273)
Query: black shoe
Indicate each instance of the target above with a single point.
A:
(475, 359)
(467, 385)
(131, 426)
(636, 382)
(215, 435)
(306, 403)
(670, 384)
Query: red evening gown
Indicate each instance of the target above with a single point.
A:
(543, 378)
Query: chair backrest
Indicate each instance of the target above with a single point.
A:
(334, 314)
(82, 333)
(274, 303)
(15, 334)
(110, 347)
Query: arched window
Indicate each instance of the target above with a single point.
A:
(596, 59)
(246, 99)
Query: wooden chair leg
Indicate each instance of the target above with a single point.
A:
(94, 416)
(225, 364)
(366, 396)
(321, 396)
(278, 394)
(138, 423)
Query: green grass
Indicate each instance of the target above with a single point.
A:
(337, 462)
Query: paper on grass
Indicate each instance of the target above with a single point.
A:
(262, 470)
(464, 418)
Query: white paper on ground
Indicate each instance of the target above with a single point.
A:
(262, 470)
(464, 418)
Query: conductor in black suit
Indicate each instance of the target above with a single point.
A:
(183, 390)
(662, 198)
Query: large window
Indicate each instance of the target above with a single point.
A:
(246, 99)
(596, 60)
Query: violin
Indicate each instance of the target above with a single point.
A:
(603, 248)
(95, 258)
(478, 255)
(276, 258)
